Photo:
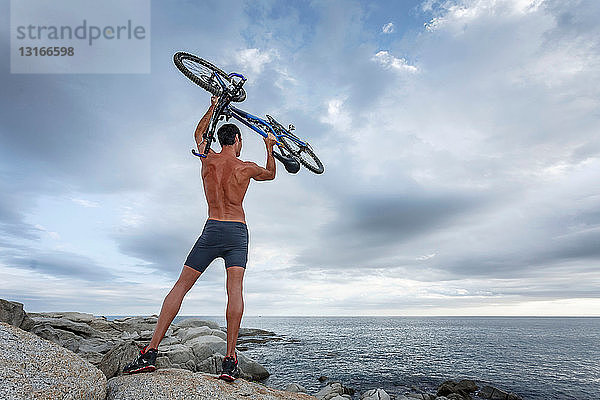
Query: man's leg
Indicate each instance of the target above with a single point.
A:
(235, 306)
(172, 303)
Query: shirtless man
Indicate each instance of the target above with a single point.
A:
(226, 179)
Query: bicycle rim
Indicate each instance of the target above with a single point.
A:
(303, 154)
(201, 72)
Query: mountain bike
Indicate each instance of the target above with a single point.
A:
(228, 87)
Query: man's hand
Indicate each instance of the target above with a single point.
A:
(270, 140)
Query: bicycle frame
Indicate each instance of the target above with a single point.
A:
(225, 109)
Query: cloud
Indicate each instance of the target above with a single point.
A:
(385, 59)
(254, 60)
(85, 203)
(388, 28)
(460, 162)
(58, 263)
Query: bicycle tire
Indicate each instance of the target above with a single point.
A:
(199, 71)
(304, 154)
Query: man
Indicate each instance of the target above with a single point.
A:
(226, 179)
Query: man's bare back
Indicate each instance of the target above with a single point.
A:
(226, 178)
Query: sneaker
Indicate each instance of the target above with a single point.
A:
(230, 369)
(145, 362)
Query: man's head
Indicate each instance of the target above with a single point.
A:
(230, 135)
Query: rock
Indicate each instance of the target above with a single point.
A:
(190, 345)
(174, 384)
(130, 335)
(211, 365)
(163, 362)
(71, 316)
(251, 369)
(255, 332)
(118, 357)
(467, 385)
(330, 391)
(12, 313)
(461, 389)
(219, 333)
(179, 354)
(190, 333)
(195, 322)
(375, 394)
(136, 324)
(32, 367)
(295, 388)
(168, 341)
(322, 378)
(490, 392)
(78, 328)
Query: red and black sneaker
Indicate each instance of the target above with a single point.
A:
(145, 362)
(230, 369)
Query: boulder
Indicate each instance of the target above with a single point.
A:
(13, 314)
(196, 322)
(118, 357)
(219, 333)
(31, 367)
(190, 333)
(178, 354)
(330, 391)
(136, 324)
(176, 384)
(461, 389)
(419, 396)
(375, 394)
(295, 388)
(490, 392)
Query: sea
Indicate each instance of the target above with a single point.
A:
(537, 358)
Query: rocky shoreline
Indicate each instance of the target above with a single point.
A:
(79, 356)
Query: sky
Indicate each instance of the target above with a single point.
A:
(460, 138)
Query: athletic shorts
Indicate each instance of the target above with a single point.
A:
(225, 239)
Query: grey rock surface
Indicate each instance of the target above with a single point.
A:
(490, 392)
(194, 344)
(295, 388)
(34, 368)
(196, 322)
(13, 314)
(177, 384)
(330, 391)
(375, 394)
(118, 357)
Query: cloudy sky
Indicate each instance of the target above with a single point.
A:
(461, 141)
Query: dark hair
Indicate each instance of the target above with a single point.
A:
(227, 134)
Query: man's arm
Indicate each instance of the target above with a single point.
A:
(203, 125)
(268, 173)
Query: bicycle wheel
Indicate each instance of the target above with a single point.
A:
(304, 154)
(201, 73)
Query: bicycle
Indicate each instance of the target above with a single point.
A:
(228, 87)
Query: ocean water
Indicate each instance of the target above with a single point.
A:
(538, 358)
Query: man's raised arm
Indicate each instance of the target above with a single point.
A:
(203, 124)
(268, 173)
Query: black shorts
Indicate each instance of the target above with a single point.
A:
(225, 239)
